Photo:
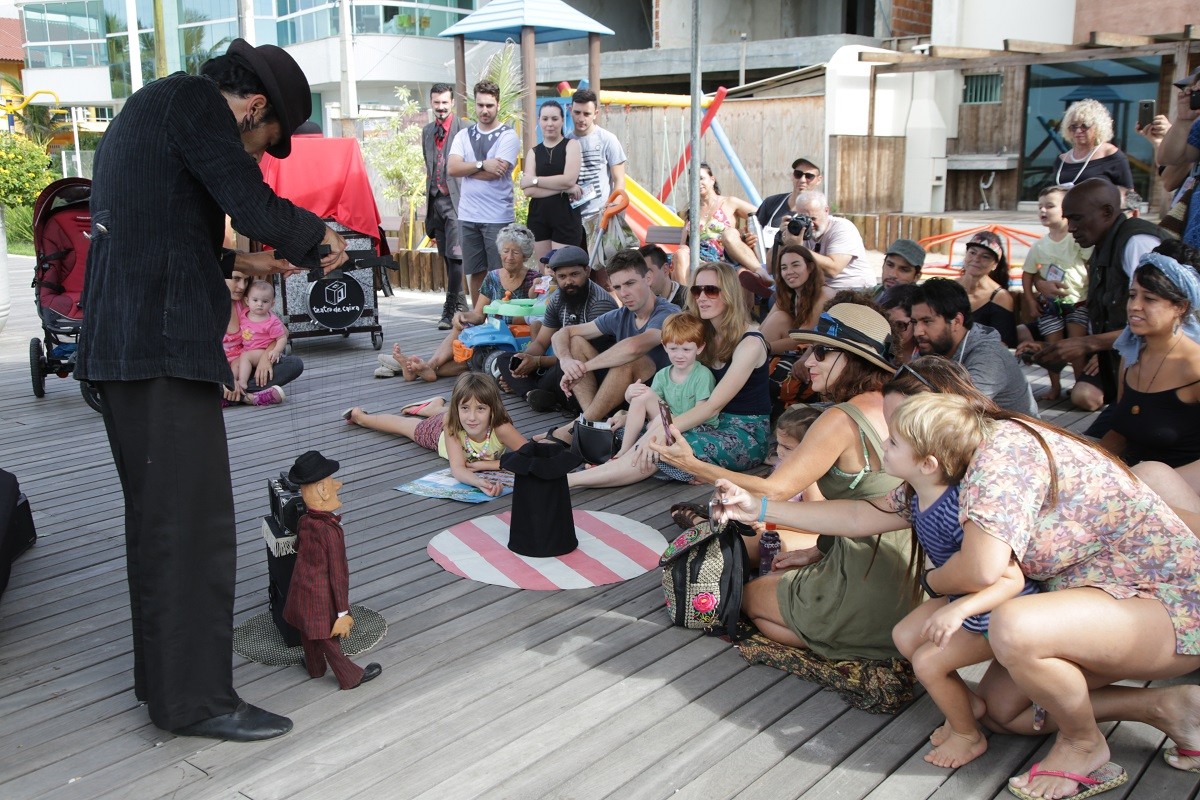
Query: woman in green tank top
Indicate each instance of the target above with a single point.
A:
(842, 597)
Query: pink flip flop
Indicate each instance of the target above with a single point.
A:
(415, 409)
(1108, 777)
(1181, 752)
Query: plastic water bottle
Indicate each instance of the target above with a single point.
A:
(768, 548)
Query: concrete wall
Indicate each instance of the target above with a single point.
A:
(1133, 16)
(724, 21)
(976, 23)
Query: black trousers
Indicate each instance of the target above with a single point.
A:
(286, 370)
(168, 441)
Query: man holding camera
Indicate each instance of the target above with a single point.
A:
(1181, 146)
(833, 243)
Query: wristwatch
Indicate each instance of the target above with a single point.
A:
(535, 181)
(478, 166)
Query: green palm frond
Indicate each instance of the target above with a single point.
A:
(504, 68)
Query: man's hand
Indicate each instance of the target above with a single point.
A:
(341, 628)
(1059, 354)
(525, 366)
(573, 369)
(263, 265)
(1049, 289)
(1156, 130)
(337, 250)
(233, 395)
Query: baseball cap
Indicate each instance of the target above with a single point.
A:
(1189, 80)
(909, 250)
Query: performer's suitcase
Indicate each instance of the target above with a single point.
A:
(17, 536)
(279, 533)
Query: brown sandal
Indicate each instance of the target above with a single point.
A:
(688, 515)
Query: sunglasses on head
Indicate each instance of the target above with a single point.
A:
(906, 368)
(808, 176)
(708, 290)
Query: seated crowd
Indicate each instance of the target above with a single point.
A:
(922, 430)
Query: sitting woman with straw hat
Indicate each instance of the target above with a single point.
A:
(840, 598)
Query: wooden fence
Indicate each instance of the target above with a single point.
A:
(880, 230)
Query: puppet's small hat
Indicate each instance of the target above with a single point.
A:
(312, 467)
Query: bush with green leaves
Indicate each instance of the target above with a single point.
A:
(24, 170)
(18, 224)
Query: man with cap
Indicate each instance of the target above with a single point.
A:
(180, 156)
(318, 600)
(901, 264)
(578, 299)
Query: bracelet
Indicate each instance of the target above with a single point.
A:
(762, 510)
(925, 584)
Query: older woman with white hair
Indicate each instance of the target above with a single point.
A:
(515, 279)
(1088, 128)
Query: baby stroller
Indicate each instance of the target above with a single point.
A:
(62, 225)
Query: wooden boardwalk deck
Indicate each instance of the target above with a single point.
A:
(486, 691)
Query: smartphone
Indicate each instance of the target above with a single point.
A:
(1145, 113)
(664, 414)
(1194, 103)
(1055, 273)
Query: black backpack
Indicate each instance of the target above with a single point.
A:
(704, 572)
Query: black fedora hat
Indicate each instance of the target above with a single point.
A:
(287, 88)
(311, 467)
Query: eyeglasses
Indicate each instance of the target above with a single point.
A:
(708, 290)
(818, 351)
(915, 374)
(1079, 126)
(808, 176)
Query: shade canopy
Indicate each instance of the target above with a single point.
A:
(501, 20)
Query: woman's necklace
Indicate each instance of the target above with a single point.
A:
(1138, 409)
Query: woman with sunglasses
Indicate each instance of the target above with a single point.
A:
(1088, 128)
(985, 277)
(841, 598)
(1120, 573)
(738, 356)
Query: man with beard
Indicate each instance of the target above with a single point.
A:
(534, 375)
(942, 325)
(441, 201)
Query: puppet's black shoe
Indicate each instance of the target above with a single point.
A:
(246, 724)
(370, 672)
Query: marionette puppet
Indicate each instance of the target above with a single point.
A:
(318, 600)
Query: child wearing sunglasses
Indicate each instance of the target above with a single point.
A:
(681, 386)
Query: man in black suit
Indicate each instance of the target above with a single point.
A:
(180, 156)
(441, 201)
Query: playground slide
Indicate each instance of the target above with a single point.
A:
(645, 210)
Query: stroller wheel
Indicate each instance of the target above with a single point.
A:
(37, 367)
(91, 396)
(377, 339)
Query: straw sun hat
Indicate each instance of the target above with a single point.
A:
(855, 329)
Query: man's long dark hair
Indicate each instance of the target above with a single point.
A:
(234, 76)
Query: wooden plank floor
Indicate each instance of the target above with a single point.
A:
(486, 691)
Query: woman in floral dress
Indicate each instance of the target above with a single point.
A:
(1121, 574)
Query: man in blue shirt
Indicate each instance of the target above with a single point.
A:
(637, 352)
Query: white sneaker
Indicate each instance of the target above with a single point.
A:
(389, 362)
(385, 372)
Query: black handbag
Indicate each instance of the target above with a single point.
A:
(594, 445)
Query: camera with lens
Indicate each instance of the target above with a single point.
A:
(800, 225)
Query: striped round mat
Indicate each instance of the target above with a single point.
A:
(612, 548)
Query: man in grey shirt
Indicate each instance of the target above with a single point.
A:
(942, 324)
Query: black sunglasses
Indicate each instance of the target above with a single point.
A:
(708, 290)
(808, 176)
(819, 351)
(915, 374)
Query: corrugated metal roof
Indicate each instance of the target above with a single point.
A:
(552, 21)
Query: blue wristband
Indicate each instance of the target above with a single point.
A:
(762, 510)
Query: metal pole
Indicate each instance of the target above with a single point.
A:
(694, 164)
(742, 63)
(349, 85)
(76, 113)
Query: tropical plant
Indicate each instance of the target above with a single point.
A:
(18, 222)
(24, 170)
(396, 153)
(504, 69)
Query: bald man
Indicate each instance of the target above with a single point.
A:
(1094, 217)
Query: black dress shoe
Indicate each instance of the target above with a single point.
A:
(370, 672)
(246, 724)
